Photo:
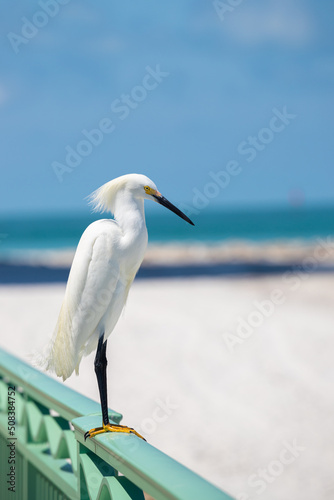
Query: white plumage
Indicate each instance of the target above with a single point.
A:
(106, 261)
(105, 264)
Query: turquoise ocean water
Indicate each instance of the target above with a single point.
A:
(23, 232)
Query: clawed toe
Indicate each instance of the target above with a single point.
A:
(94, 432)
(87, 434)
(111, 428)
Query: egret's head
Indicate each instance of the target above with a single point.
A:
(139, 186)
(151, 193)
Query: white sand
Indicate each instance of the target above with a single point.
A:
(234, 412)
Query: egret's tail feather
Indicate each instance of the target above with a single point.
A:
(61, 359)
(59, 355)
(55, 360)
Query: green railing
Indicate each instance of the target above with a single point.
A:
(43, 454)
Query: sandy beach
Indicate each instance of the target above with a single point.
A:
(232, 376)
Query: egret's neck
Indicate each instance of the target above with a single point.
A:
(130, 216)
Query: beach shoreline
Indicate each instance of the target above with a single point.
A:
(174, 260)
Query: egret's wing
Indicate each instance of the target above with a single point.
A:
(93, 280)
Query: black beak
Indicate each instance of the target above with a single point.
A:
(163, 201)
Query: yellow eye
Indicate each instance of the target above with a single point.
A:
(147, 189)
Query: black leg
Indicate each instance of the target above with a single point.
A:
(100, 365)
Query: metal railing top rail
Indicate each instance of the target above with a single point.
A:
(47, 391)
(147, 467)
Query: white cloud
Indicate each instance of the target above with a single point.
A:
(285, 22)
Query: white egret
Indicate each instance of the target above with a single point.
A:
(106, 261)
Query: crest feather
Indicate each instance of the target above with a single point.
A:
(103, 198)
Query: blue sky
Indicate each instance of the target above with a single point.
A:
(225, 79)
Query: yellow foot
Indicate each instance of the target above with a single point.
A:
(111, 428)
